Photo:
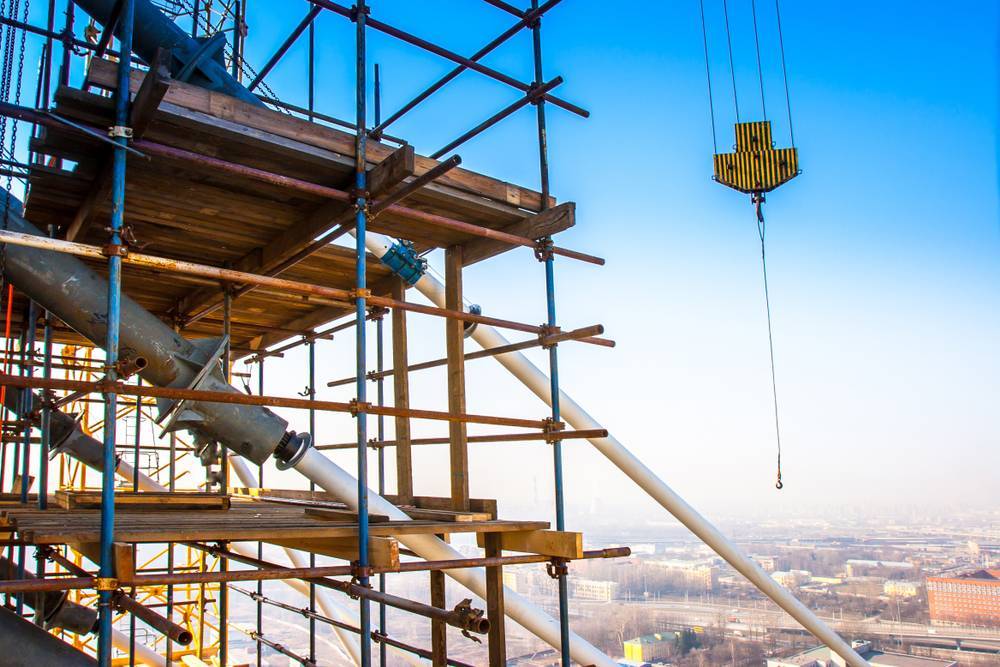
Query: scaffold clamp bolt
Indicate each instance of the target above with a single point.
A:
(543, 249)
(557, 568)
(106, 583)
(120, 132)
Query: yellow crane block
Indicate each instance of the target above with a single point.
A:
(756, 166)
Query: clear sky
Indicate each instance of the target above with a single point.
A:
(883, 254)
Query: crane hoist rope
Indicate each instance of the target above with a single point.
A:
(756, 166)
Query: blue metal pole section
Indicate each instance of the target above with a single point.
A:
(27, 398)
(227, 333)
(380, 360)
(550, 300)
(119, 132)
(136, 452)
(360, 15)
(380, 363)
(28, 358)
(46, 416)
(260, 545)
(312, 487)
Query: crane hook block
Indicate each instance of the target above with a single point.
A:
(756, 166)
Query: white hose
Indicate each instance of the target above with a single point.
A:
(143, 654)
(328, 475)
(538, 382)
(331, 607)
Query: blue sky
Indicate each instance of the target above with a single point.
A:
(883, 254)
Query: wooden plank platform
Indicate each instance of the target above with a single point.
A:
(199, 214)
(244, 521)
(153, 500)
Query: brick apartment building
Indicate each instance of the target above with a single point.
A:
(968, 599)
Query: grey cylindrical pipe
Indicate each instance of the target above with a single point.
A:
(154, 30)
(78, 296)
(27, 645)
(56, 610)
(68, 438)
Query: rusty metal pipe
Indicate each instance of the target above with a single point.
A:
(233, 398)
(541, 341)
(153, 148)
(496, 437)
(125, 602)
(337, 296)
(462, 617)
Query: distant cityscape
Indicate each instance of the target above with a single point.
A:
(907, 593)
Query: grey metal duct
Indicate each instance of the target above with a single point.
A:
(199, 61)
(27, 645)
(78, 296)
(54, 607)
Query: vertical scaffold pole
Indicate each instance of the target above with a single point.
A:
(311, 389)
(550, 300)
(46, 416)
(380, 397)
(227, 365)
(260, 545)
(360, 14)
(120, 138)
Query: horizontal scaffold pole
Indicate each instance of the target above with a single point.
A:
(203, 396)
(338, 296)
(585, 334)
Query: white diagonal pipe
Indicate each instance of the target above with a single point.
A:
(327, 603)
(329, 606)
(538, 382)
(328, 475)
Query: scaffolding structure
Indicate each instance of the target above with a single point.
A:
(160, 544)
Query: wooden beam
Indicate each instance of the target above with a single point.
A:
(342, 515)
(546, 223)
(382, 551)
(401, 395)
(122, 554)
(495, 604)
(455, 342)
(151, 92)
(439, 629)
(391, 171)
(271, 258)
(98, 192)
(557, 543)
(103, 73)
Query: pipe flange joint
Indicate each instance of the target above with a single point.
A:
(291, 449)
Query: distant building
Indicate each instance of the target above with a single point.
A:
(969, 599)
(650, 647)
(821, 656)
(767, 563)
(510, 580)
(901, 589)
(791, 578)
(697, 574)
(857, 567)
(593, 589)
